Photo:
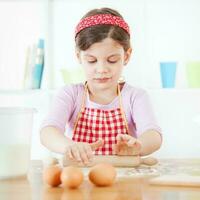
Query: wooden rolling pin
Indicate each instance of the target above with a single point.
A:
(117, 161)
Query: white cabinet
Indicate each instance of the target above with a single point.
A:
(178, 113)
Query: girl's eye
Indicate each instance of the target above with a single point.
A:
(91, 61)
(94, 61)
(112, 61)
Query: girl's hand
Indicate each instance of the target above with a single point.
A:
(127, 145)
(82, 151)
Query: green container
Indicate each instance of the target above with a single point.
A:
(193, 74)
(72, 76)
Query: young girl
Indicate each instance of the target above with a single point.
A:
(104, 116)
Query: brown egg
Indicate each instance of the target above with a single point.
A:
(51, 175)
(102, 174)
(71, 177)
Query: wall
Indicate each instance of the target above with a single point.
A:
(66, 15)
(21, 24)
(161, 31)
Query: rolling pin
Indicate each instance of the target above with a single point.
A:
(117, 161)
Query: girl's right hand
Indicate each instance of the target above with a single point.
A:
(82, 151)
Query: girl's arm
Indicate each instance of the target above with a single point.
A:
(151, 141)
(52, 138)
(147, 129)
(146, 144)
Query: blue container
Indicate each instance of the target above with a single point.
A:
(39, 66)
(168, 74)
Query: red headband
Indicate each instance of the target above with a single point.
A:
(101, 19)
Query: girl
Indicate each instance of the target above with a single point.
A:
(104, 116)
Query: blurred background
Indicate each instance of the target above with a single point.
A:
(37, 57)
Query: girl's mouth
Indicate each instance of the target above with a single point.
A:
(102, 80)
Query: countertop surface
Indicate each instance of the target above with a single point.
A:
(131, 183)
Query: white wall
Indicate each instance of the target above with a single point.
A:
(172, 33)
(21, 24)
(66, 15)
(161, 31)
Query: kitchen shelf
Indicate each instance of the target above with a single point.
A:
(174, 89)
(52, 91)
(26, 92)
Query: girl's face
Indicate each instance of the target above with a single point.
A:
(103, 63)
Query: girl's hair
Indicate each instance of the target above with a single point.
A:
(97, 33)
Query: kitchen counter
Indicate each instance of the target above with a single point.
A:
(130, 184)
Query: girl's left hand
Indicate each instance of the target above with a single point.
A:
(127, 145)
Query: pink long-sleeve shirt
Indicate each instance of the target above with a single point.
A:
(135, 102)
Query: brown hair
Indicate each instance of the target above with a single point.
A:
(97, 33)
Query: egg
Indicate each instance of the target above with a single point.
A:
(102, 174)
(71, 177)
(51, 175)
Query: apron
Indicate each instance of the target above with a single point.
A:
(93, 124)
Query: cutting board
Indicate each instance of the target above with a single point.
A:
(176, 180)
(117, 161)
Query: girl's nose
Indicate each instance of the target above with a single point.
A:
(101, 68)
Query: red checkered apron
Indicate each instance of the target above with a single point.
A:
(93, 124)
